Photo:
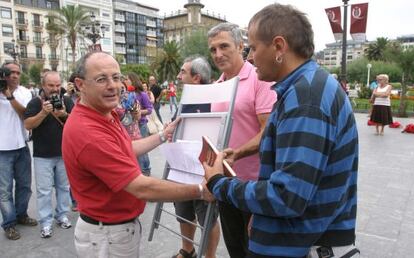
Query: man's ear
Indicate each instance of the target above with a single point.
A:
(78, 84)
(197, 79)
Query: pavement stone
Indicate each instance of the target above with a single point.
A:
(385, 219)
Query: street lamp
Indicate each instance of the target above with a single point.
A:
(369, 70)
(343, 63)
(94, 30)
(13, 52)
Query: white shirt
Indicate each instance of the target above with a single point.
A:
(13, 135)
(381, 101)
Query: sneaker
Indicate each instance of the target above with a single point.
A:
(46, 232)
(27, 221)
(12, 233)
(64, 223)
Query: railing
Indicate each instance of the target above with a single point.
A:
(21, 22)
(37, 24)
(54, 58)
(38, 41)
(119, 17)
(23, 39)
(151, 33)
(119, 28)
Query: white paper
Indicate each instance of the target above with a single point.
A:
(182, 157)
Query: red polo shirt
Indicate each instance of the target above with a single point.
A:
(100, 163)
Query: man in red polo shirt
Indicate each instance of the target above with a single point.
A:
(102, 168)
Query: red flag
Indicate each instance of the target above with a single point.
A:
(334, 16)
(359, 15)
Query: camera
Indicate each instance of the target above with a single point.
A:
(56, 101)
(4, 72)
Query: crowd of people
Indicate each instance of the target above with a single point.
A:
(293, 146)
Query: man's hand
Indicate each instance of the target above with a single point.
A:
(217, 167)
(231, 155)
(169, 129)
(207, 196)
(47, 107)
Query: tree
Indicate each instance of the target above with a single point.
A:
(375, 51)
(405, 60)
(34, 73)
(24, 79)
(66, 23)
(143, 70)
(168, 61)
(196, 43)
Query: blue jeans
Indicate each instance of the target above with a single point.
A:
(51, 172)
(15, 164)
(143, 159)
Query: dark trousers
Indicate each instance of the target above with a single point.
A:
(234, 224)
(157, 106)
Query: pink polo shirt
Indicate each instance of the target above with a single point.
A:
(254, 97)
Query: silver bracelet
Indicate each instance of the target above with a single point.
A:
(162, 137)
(201, 190)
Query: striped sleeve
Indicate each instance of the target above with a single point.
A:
(303, 143)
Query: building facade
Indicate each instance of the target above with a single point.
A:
(181, 23)
(137, 32)
(24, 34)
(332, 54)
(407, 41)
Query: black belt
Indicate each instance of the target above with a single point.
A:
(96, 222)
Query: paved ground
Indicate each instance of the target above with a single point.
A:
(385, 213)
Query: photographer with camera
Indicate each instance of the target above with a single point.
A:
(46, 115)
(15, 161)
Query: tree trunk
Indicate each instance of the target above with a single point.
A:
(402, 110)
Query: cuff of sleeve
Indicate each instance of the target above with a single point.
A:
(212, 181)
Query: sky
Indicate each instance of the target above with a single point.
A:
(386, 18)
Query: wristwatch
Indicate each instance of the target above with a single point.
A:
(10, 98)
(162, 137)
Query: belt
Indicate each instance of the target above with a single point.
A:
(96, 222)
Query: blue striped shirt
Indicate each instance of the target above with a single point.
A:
(306, 191)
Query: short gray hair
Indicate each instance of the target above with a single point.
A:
(46, 74)
(233, 29)
(200, 65)
(80, 70)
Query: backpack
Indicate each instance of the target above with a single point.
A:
(409, 129)
(396, 124)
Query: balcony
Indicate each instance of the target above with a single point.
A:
(53, 42)
(119, 17)
(151, 24)
(151, 33)
(38, 41)
(23, 40)
(21, 24)
(37, 26)
(54, 59)
(119, 39)
(119, 28)
(120, 50)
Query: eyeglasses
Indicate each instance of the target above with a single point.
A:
(104, 80)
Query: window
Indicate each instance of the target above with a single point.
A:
(23, 51)
(36, 19)
(7, 30)
(8, 47)
(20, 17)
(37, 37)
(6, 13)
(39, 52)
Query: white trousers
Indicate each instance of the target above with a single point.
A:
(113, 241)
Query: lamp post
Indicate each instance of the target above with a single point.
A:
(345, 21)
(369, 71)
(13, 52)
(94, 30)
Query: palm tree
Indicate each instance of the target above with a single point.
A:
(375, 51)
(66, 23)
(169, 61)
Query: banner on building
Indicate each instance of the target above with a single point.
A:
(359, 15)
(334, 16)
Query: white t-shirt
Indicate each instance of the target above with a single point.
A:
(13, 135)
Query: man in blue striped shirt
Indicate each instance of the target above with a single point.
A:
(304, 202)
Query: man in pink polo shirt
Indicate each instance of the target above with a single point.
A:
(254, 101)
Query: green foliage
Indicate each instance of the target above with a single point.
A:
(364, 93)
(376, 50)
(168, 62)
(197, 44)
(143, 70)
(357, 70)
(66, 23)
(410, 93)
(396, 85)
(34, 73)
(24, 79)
